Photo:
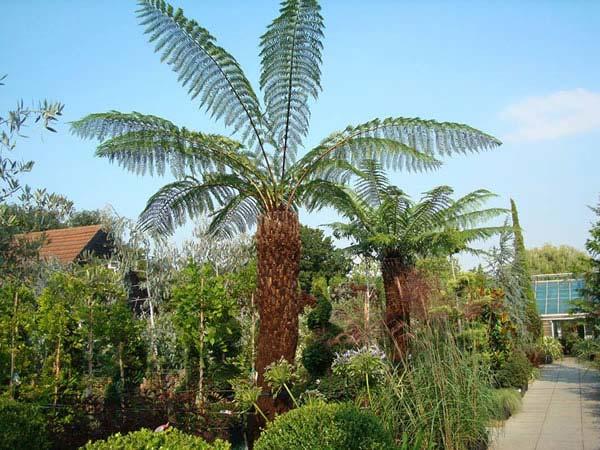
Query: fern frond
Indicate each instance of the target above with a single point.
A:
(239, 215)
(389, 153)
(411, 142)
(175, 202)
(430, 211)
(372, 182)
(291, 74)
(148, 144)
(471, 218)
(101, 126)
(207, 70)
(317, 194)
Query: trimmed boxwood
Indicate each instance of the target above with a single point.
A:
(149, 440)
(22, 426)
(326, 426)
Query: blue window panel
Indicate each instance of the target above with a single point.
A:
(540, 296)
(577, 287)
(564, 296)
(552, 307)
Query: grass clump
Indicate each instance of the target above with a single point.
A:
(505, 403)
(440, 396)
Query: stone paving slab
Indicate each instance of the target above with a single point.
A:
(561, 411)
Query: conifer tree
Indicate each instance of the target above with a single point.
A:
(533, 321)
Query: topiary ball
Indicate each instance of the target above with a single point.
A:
(326, 426)
(150, 440)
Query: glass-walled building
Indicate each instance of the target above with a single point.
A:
(555, 294)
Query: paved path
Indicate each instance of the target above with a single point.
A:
(560, 411)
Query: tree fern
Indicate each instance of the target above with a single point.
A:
(264, 156)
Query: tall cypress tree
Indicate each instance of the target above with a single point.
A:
(532, 319)
(592, 281)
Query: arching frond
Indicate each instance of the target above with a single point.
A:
(353, 149)
(472, 218)
(327, 160)
(239, 215)
(148, 144)
(101, 126)
(472, 201)
(177, 201)
(372, 182)
(207, 70)
(291, 74)
(430, 211)
(317, 194)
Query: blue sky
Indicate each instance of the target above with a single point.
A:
(524, 71)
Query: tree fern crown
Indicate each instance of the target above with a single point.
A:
(237, 178)
(385, 222)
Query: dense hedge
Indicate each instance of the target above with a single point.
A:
(22, 426)
(149, 440)
(515, 371)
(326, 426)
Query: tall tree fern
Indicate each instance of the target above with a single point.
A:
(386, 224)
(255, 177)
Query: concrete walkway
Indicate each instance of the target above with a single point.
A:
(560, 411)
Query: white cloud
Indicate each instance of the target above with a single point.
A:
(563, 113)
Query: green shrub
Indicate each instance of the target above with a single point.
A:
(587, 349)
(325, 426)
(318, 317)
(149, 440)
(317, 357)
(22, 426)
(552, 349)
(505, 403)
(474, 338)
(515, 372)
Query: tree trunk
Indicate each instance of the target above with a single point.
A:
(13, 341)
(200, 398)
(57, 370)
(122, 374)
(278, 248)
(397, 279)
(90, 349)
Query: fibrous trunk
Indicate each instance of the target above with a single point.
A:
(277, 296)
(397, 280)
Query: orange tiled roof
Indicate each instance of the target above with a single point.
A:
(64, 244)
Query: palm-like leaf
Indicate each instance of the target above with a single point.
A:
(291, 74)
(237, 216)
(147, 144)
(206, 69)
(177, 201)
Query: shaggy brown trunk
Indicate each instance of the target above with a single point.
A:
(277, 297)
(397, 278)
